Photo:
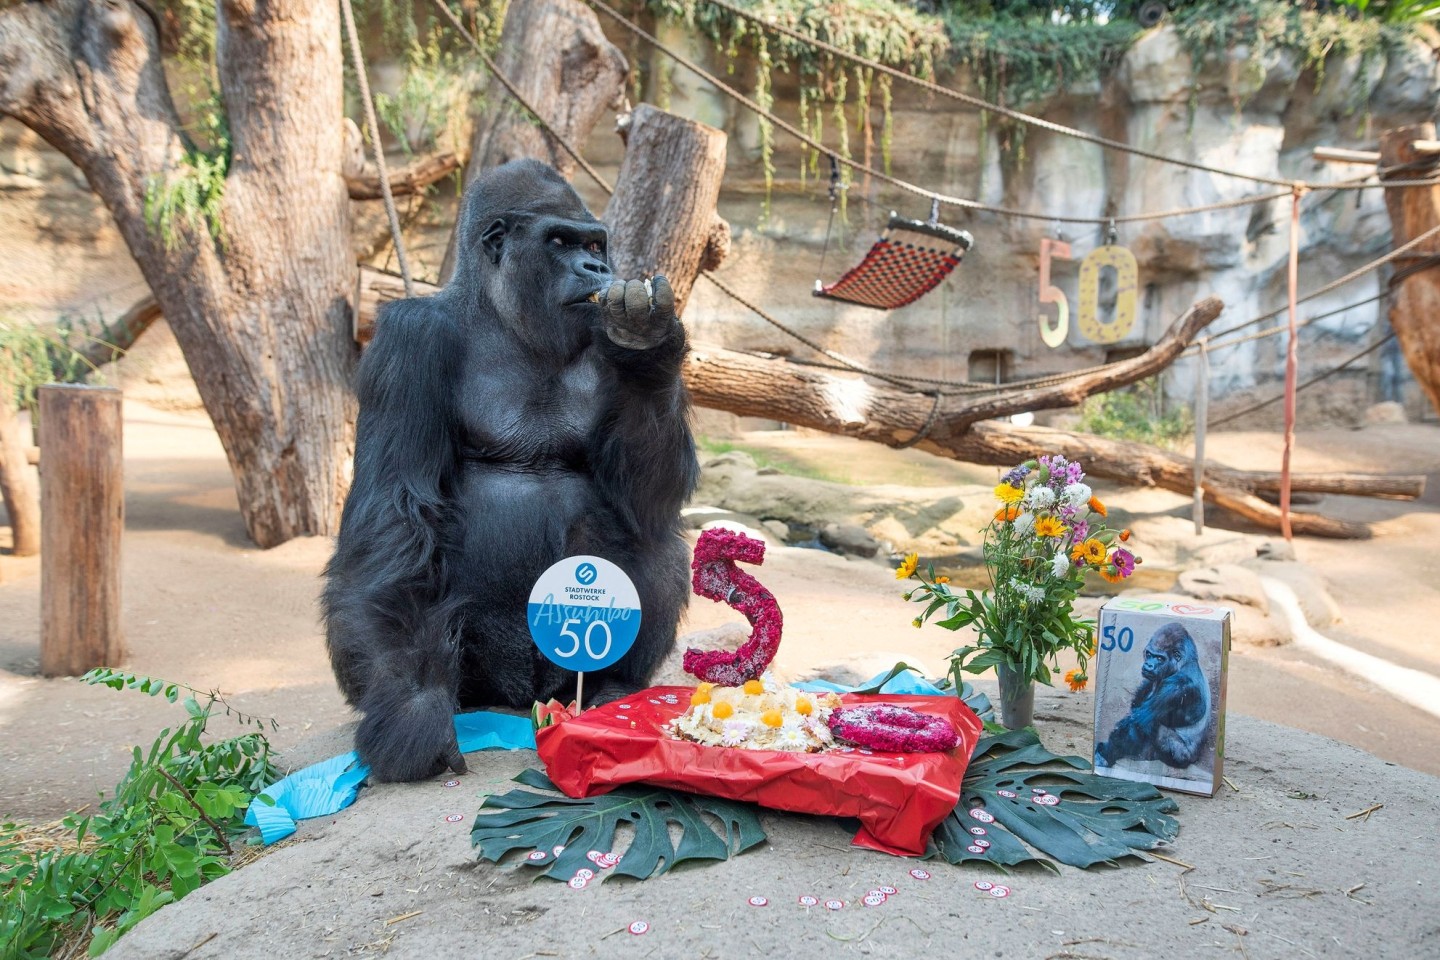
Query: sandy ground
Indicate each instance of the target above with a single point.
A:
(203, 606)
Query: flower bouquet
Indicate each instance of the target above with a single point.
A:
(1048, 532)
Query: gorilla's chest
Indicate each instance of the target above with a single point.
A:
(524, 417)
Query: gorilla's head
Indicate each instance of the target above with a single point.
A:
(1168, 650)
(530, 248)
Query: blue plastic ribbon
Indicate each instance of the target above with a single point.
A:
(906, 682)
(331, 785)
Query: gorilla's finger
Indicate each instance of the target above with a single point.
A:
(454, 759)
(637, 300)
(615, 302)
(664, 296)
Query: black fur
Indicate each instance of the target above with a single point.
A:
(1170, 713)
(502, 429)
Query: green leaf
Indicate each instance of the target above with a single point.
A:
(523, 820)
(1098, 820)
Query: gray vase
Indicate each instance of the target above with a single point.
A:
(1017, 698)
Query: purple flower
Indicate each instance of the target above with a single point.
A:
(1124, 562)
(1016, 477)
(1073, 473)
(1079, 530)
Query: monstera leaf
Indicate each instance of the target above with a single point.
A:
(1097, 820)
(545, 823)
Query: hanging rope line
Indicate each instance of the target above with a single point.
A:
(520, 99)
(1308, 383)
(908, 381)
(373, 128)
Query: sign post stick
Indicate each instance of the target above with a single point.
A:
(579, 691)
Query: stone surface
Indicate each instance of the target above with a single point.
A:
(1319, 606)
(1226, 582)
(1382, 413)
(850, 539)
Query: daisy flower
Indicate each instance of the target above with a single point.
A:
(906, 570)
(1008, 494)
(1049, 527)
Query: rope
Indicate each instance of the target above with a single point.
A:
(358, 62)
(925, 427)
(1012, 114)
(519, 98)
(1308, 383)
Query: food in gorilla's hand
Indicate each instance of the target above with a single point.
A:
(639, 313)
(717, 577)
(763, 714)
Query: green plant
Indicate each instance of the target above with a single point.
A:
(1048, 533)
(1136, 414)
(1396, 11)
(168, 829)
(31, 357)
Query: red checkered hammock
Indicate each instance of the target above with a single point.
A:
(909, 260)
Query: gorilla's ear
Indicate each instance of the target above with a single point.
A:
(492, 239)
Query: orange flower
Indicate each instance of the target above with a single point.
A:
(942, 579)
(1098, 507)
(1124, 535)
(1076, 679)
(1109, 572)
(1006, 514)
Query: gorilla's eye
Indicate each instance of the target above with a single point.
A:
(593, 246)
(558, 241)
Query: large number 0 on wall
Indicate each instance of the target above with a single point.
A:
(1127, 276)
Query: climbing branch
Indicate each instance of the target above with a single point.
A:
(362, 179)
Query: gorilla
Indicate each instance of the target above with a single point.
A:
(530, 410)
(1170, 713)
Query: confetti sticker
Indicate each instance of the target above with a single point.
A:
(452, 783)
(919, 874)
(808, 901)
(866, 751)
(626, 706)
(607, 861)
(759, 902)
(585, 874)
(834, 904)
(594, 856)
(536, 855)
(984, 885)
(874, 899)
(1001, 891)
(1049, 800)
(975, 850)
(656, 702)
(976, 813)
(889, 891)
(455, 818)
(978, 831)
(557, 850)
(639, 927)
(1037, 790)
(578, 883)
(1007, 794)
(982, 843)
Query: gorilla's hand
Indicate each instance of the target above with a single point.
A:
(410, 737)
(639, 314)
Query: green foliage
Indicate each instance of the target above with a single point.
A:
(429, 107)
(1396, 11)
(166, 831)
(190, 195)
(1136, 413)
(1098, 819)
(30, 357)
(528, 821)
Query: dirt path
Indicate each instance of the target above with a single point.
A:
(203, 606)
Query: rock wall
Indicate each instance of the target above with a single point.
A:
(64, 257)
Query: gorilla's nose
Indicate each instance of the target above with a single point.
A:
(596, 269)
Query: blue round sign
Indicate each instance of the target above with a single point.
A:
(584, 613)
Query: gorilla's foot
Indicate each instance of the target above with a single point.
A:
(410, 738)
(609, 691)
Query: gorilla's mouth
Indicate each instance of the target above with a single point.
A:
(593, 298)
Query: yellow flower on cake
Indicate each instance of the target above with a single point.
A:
(1008, 494)
(907, 566)
(1049, 527)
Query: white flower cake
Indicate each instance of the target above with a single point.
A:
(764, 714)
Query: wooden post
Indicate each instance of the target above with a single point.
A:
(1415, 300)
(17, 485)
(662, 217)
(83, 505)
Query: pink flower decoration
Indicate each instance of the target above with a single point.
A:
(717, 577)
(893, 729)
(1124, 562)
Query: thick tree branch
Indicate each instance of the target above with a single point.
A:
(121, 335)
(363, 179)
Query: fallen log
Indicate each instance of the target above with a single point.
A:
(749, 385)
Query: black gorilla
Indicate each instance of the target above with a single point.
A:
(529, 411)
(1170, 713)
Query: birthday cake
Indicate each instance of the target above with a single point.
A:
(762, 714)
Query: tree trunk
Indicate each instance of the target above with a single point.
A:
(662, 215)
(17, 481)
(1415, 300)
(259, 305)
(556, 55)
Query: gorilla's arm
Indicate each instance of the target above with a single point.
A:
(642, 450)
(1154, 727)
(390, 631)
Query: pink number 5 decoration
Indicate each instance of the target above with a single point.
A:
(717, 577)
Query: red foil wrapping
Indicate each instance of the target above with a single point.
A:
(899, 798)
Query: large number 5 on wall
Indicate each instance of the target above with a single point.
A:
(1127, 280)
(1053, 335)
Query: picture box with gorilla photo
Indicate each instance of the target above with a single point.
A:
(1160, 693)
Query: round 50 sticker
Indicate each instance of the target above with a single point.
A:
(584, 613)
